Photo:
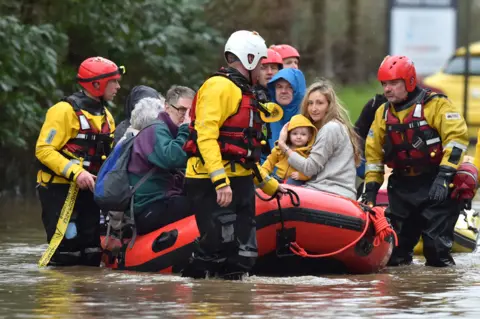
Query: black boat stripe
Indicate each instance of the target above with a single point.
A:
(180, 255)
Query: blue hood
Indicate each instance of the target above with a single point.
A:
(297, 81)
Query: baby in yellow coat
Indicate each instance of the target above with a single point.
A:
(301, 136)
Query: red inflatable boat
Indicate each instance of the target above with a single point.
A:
(320, 233)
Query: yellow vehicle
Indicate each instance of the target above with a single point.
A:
(451, 82)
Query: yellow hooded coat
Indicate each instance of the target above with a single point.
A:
(277, 161)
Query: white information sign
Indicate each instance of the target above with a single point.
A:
(423, 30)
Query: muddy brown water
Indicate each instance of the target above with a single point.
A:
(26, 291)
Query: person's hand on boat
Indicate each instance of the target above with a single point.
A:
(280, 191)
(369, 197)
(224, 196)
(85, 180)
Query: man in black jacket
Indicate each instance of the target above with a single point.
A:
(362, 126)
(136, 94)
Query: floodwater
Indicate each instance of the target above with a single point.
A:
(26, 291)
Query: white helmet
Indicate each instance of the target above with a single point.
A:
(244, 44)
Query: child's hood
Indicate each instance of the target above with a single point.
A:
(301, 121)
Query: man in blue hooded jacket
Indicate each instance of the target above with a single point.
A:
(287, 89)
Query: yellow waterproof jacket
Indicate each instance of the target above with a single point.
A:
(62, 124)
(277, 161)
(439, 113)
(218, 99)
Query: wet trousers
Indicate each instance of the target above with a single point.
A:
(412, 215)
(84, 248)
(227, 242)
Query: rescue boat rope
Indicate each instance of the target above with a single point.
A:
(294, 198)
(375, 215)
(382, 231)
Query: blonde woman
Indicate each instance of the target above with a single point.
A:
(335, 153)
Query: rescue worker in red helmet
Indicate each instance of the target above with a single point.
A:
(269, 67)
(224, 149)
(423, 138)
(290, 55)
(73, 142)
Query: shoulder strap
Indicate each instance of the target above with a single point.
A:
(143, 179)
(73, 101)
(236, 78)
(431, 96)
(386, 108)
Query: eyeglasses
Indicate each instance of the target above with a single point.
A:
(180, 109)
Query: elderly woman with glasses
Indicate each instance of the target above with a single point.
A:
(157, 151)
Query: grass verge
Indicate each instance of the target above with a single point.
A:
(355, 96)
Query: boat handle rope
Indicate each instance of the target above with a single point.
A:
(294, 199)
(382, 231)
(375, 215)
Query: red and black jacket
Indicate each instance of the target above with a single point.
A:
(413, 143)
(241, 136)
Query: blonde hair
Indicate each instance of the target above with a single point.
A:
(336, 111)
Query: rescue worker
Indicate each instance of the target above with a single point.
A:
(290, 55)
(77, 130)
(423, 138)
(270, 66)
(224, 148)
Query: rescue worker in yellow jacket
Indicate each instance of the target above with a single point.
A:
(224, 148)
(74, 140)
(423, 138)
(301, 136)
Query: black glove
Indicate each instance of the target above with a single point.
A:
(440, 188)
(370, 195)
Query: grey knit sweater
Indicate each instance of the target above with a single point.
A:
(331, 162)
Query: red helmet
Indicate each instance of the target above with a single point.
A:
(99, 70)
(286, 51)
(398, 67)
(273, 57)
